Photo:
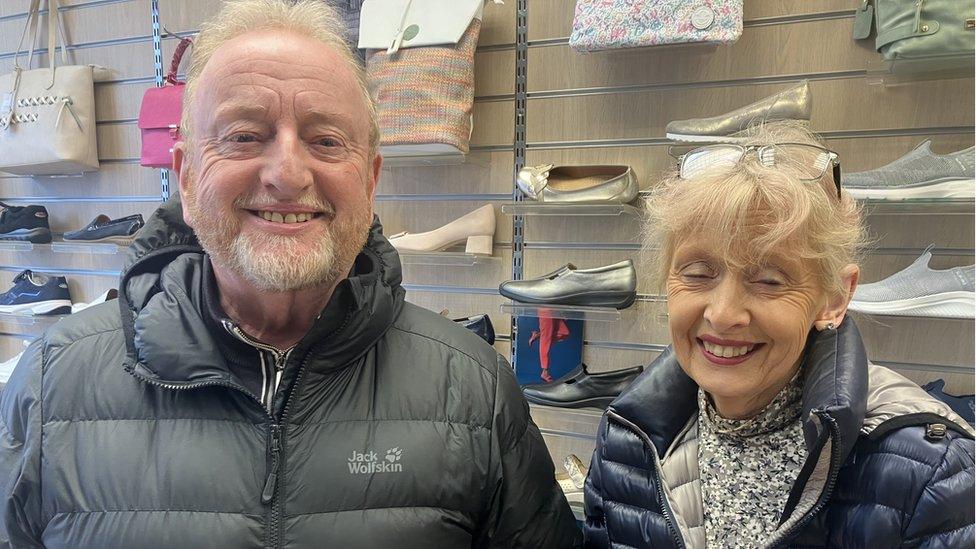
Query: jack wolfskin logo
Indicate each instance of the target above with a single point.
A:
(369, 462)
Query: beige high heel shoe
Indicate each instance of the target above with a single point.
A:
(475, 229)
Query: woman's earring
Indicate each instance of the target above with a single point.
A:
(830, 326)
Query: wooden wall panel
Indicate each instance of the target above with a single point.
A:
(839, 104)
(111, 180)
(481, 173)
(497, 25)
(814, 46)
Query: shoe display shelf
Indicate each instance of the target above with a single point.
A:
(566, 312)
(926, 205)
(445, 259)
(881, 72)
(60, 246)
(13, 323)
(420, 155)
(564, 210)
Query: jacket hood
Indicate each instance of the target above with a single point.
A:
(161, 302)
(836, 373)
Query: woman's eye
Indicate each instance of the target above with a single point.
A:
(328, 142)
(770, 282)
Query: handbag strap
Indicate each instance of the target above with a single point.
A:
(54, 26)
(177, 57)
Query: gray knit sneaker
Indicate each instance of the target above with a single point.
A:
(920, 291)
(919, 174)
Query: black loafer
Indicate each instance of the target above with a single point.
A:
(104, 229)
(480, 325)
(581, 389)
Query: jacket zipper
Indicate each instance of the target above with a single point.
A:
(665, 506)
(272, 481)
(833, 470)
(272, 486)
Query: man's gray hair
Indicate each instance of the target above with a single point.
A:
(312, 18)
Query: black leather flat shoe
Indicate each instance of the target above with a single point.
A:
(581, 389)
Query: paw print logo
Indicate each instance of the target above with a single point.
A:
(393, 455)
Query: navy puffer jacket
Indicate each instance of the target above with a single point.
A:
(888, 465)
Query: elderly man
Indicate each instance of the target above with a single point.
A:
(261, 381)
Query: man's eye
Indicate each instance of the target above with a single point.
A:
(327, 142)
(243, 138)
(769, 282)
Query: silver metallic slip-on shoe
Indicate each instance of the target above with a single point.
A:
(578, 184)
(919, 174)
(791, 104)
(610, 286)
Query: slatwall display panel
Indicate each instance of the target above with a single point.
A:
(839, 104)
(951, 231)
(553, 19)
(115, 35)
(497, 25)
(831, 53)
(88, 23)
(128, 60)
(17, 8)
(481, 173)
(112, 180)
(481, 277)
(462, 304)
(567, 431)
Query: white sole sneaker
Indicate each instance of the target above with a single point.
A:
(944, 305)
(38, 308)
(958, 188)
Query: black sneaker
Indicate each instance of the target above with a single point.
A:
(34, 293)
(105, 229)
(24, 224)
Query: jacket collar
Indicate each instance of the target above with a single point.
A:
(161, 301)
(663, 399)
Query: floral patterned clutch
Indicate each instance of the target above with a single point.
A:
(613, 24)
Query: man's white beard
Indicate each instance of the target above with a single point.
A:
(277, 263)
(281, 267)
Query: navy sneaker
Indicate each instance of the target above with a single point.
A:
(24, 224)
(105, 229)
(34, 293)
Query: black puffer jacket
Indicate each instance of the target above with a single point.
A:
(400, 429)
(880, 473)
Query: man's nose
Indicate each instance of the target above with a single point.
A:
(727, 308)
(287, 168)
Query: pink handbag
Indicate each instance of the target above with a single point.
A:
(159, 116)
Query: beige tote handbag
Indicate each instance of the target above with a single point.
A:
(47, 115)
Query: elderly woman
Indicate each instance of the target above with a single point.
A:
(764, 424)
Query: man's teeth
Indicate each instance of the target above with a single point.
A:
(276, 217)
(727, 352)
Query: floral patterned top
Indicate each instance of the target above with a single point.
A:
(748, 467)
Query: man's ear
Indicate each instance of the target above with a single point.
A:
(377, 169)
(835, 310)
(181, 167)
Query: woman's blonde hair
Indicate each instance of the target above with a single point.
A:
(312, 18)
(752, 210)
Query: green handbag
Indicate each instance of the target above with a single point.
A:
(938, 32)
